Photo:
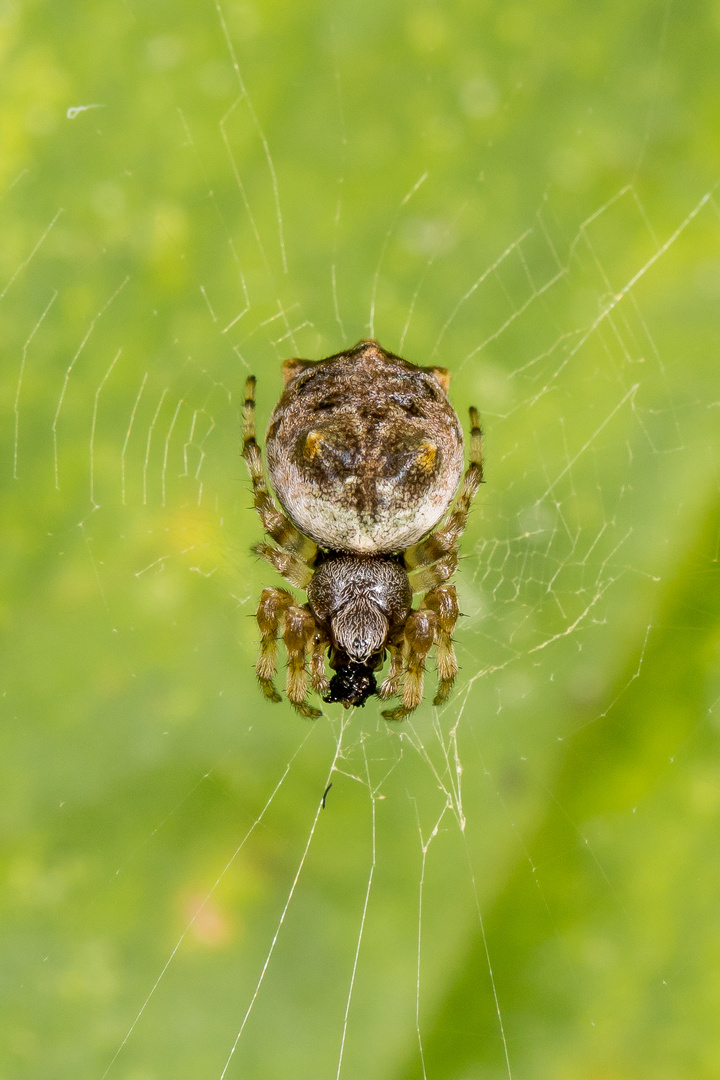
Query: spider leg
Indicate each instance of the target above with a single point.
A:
(299, 632)
(391, 684)
(419, 638)
(292, 569)
(318, 678)
(443, 601)
(275, 523)
(273, 604)
(427, 577)
(436, 545)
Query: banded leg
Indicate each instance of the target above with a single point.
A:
(275, 524)
(419, 638)
(273, 605)
(433, 547)
(292, 569)
(298, 635)
(318, 678)
(427, 577)
(391, 684)
(443, 601)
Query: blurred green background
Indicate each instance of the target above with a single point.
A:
(525, 884)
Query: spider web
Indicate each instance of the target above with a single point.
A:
(209, 886)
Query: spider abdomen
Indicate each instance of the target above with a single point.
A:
(365, 451)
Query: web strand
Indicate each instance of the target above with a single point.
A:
(273, 943)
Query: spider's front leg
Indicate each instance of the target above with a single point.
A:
(419, 638)
(318, 678)
(391, 684)
(276, 607)
(273, 604)
(299, 634)
(288, 566)
(443, 601)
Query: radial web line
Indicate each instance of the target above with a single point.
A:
(273, 943)
(241, 314)
(626, 397)
(428, 266)
(619, 296)
(453, 766)
(373, 295)
(333, 266)
(633, 677)
(211, 196)
(189, 926)
(586, 844)
(362, 919)
(454, 806)
(25, 262)
(338, 205)
(475, 286)
(241, 186)
(204, 294)
(424, 844)
(488, 961)
(535, 295)
(417, 973)
(258, 128)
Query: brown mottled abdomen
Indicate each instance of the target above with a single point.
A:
(364, 450)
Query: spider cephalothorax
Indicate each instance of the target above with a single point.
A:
(365, 453)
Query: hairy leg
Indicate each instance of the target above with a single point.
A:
(445, 538)
(300, 630)
(292, 569)
(318, 678)
(275, 524)
(427, 577)
(443, 601)
(419, 638)
(391, 684)
(273, 605)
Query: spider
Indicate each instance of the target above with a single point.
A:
(365, 455)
